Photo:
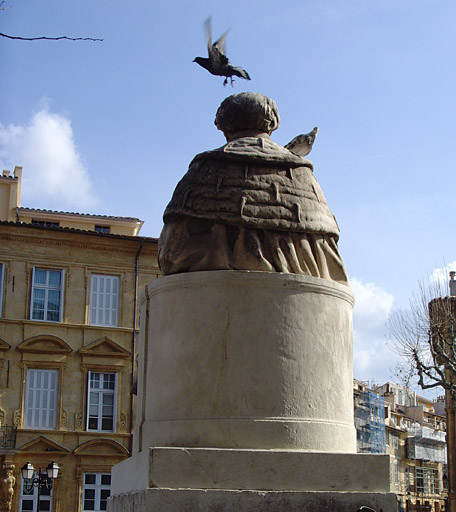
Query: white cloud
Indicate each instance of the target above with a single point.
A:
(54, 175)
(373, 360)
(440, 276)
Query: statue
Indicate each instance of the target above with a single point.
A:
(251, 204)
(8, 487)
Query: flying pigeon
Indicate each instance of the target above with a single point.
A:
(218, 63)
(302, 144)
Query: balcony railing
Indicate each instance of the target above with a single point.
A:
(8, 436)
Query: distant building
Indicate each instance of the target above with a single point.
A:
(414, 437)
(69, 285)
(369, 420)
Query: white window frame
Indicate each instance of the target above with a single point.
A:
(104, 304)
(97, 487)
(2, 274)
(432, 477)
(421, 475)
(41, 400)
(101, 393)
(47, 288)
(32, 495)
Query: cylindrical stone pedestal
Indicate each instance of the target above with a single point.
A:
(252, 360)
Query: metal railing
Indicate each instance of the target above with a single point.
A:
(8, 436)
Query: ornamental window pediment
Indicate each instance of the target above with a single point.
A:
(104, 347)
(102, 447)
(4, 346)
(42, 444)
(45, 344)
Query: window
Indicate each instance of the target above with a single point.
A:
(101, 403)
(45, 223)
(29, 497)
(1, 285)
(104, 300)
(433, 474)
(425, 480)
(47, 288)
(102, 229)
(96, 490)
(395, 442)
(41, 399)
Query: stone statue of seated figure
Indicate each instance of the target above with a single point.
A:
(251, 204)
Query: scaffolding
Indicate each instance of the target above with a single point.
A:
(370, 423)
(424, 443)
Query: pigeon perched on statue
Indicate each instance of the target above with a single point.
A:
(218, 63)
(302, 144)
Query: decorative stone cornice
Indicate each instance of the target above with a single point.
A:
(69, 243)
(117, 244)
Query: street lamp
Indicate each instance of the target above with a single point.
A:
(43, 480)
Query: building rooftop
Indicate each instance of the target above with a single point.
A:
(76, 230)
(85, 215)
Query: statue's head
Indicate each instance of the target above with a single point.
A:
(247, 113)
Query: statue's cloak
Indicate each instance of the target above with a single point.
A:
(254, 183)
(250, 205)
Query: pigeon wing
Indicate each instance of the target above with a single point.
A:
(208, 30)
(217, 59)
(220, 43)
(216, 51)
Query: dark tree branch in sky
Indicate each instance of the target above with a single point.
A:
(50, 38)
(20, 38)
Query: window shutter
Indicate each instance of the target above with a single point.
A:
(104, 300)
(41, 398)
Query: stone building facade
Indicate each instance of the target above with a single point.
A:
(69, 286)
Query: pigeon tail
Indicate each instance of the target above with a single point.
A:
(242, 73)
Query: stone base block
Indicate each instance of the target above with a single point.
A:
(278, 470)
(196, 500)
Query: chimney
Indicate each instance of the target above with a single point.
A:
(452, 283)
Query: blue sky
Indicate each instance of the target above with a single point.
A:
(110, 127)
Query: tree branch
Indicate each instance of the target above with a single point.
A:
(425, 337)
(50, 38)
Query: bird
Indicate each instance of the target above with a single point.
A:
(302, 144)
(218, 63)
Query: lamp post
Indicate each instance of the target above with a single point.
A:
(43, 480)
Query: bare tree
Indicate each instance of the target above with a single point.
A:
(424, 338)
